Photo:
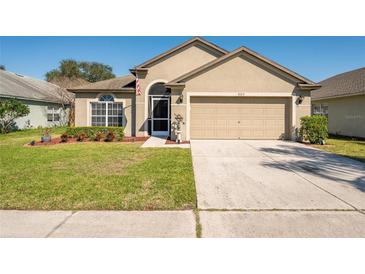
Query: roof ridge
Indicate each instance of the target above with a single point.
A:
(232, 53)
(184, 44)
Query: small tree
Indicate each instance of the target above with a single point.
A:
(2, 67)
(314, 129)
(9, 111)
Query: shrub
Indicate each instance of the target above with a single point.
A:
(91, 132)
(81, 136)
(110, 136)
(9, 111)
(314, 129)
(98, 136)
(64, 138)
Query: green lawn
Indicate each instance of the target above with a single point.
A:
(93, 175)
(348, 147)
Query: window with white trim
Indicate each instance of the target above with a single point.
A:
(106, 112)
(53, 114)
(320, 109)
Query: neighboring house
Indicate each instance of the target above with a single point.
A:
(47, 102)
(219, 94)
(342, 99)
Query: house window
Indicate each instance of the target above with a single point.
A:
(321, 109)
(106, 112)
(53, 114)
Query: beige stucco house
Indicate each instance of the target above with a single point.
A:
(342, 99)
(218, 94)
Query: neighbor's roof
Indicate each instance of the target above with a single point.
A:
(65, 82)
(192, 41)
(124, 83)
(233, 54)
(18, 86)
(344, 84)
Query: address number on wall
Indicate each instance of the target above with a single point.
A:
(240, 94)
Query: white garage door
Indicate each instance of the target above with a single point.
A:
(239, 118)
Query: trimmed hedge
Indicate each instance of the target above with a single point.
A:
(91, 132)
(314, 129)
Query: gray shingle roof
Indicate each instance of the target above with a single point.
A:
(119, 83)
(23, 87)
(344, 84)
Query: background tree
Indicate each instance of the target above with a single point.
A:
(94, 72)
(89, 71)
(9, 111)
(2, 67)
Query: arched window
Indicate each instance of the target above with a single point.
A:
(159, 89)
(106, 112)
(106, 98)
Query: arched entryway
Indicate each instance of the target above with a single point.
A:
(159, 110)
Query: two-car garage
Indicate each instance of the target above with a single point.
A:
(239, 117)
(241, 95)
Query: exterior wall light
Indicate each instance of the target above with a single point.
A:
(300, 100)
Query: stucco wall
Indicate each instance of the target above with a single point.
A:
(37, 116)
(82, 108)
(346, 115)
(166, 70)
(240, 74)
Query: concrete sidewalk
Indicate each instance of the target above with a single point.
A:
(101, 224)
(160, 142)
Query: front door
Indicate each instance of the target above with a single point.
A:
(160, 116)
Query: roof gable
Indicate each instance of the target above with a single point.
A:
(242, 50)
(196, 41)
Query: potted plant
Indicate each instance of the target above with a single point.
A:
(64, 138)
(178, 131)
(46, 137)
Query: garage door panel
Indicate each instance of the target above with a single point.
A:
(238, 118)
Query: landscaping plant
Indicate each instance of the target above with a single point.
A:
(9, 111)
(81, 136)
(98, 136)
(110, 136)
(64, 138)
(314, 129)
(93, 131)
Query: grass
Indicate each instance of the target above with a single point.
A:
(345, 146)
(86, 176)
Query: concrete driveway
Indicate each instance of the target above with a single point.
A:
(264, 181)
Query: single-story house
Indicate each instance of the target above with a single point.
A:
(218, 94)
(342, 99)
(47, 102)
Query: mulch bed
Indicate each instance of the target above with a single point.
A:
(170, 142)
(57, 141)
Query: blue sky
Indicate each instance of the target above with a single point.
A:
(316, 58)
